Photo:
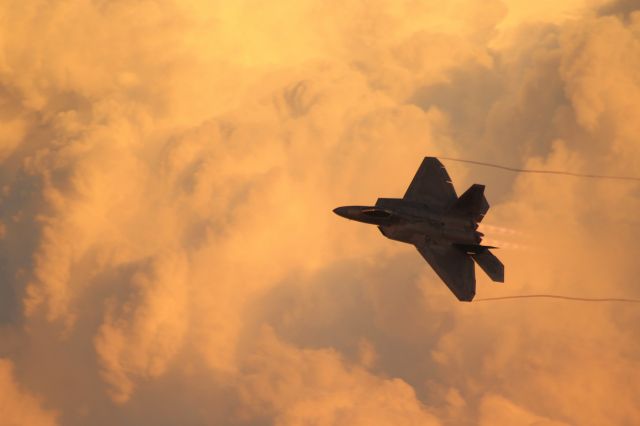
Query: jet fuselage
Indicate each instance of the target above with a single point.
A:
(414, 223)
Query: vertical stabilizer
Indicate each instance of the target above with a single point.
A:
(472, 203)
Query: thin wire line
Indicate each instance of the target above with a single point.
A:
(547, 172)
(556, 296)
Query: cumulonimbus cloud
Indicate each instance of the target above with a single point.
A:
(166, 236)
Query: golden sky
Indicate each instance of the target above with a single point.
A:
(168, 253)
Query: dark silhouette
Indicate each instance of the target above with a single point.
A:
(441, 225)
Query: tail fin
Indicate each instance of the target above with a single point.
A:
(490, 264)
(472, 203)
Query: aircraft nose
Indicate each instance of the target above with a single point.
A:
(341, 211)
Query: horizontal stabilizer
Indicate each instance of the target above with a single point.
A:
(472, 248)
(472, 203)
(490, 264)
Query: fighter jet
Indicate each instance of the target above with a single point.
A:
(442, 226)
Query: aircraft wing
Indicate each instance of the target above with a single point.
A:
(432, 185)
(454, 267)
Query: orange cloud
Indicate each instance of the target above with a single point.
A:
(166, 236)
(299, 387)
(18, 407)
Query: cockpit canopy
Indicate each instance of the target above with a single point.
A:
(379, 213)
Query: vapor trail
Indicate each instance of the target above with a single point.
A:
(498, 229)
(505, 244)
(548, 172)
(506, 230)
(555, 296)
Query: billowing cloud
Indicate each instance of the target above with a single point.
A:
(166, 236)
(18, 407)
(299, 387)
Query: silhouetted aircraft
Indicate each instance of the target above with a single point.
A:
(442, 226)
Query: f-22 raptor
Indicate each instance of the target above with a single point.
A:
(442, 226)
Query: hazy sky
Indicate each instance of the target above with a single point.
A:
(168, 253)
